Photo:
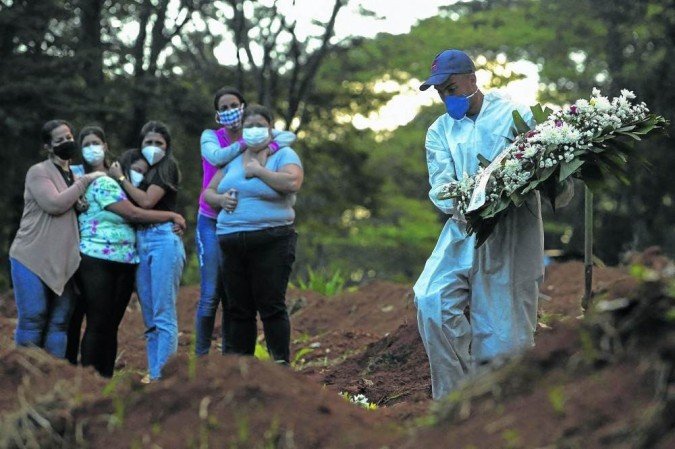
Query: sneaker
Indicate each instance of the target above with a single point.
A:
(146, 379)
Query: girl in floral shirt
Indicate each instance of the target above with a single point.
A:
(109, 257)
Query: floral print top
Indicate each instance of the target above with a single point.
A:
(104, 234)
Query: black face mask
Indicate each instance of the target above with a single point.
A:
(65, 150)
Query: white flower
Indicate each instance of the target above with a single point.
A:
(627, 94)
(582, 104)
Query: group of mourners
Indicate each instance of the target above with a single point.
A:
(128, 229)
(92, 234)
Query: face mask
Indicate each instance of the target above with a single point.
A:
(93, 154)
(153, 154)
(136, 178)
(231, 118)
(65, 150)
(457, 105)
(255, 136)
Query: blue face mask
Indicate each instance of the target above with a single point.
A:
(457, 105)
(255, 136)
(136, 177)
(93, 154)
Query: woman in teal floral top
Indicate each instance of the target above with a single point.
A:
(109, 257)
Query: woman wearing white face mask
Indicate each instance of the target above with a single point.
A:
(218, 148)
(109, 256)
(160, 249)
(257, 236)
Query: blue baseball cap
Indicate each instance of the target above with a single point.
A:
(446, 63)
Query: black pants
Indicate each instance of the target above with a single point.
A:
(106, 288)
(256, 267)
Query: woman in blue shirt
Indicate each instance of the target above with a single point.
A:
(218, 148)
(256, 235)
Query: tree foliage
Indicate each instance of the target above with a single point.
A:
(364, 205)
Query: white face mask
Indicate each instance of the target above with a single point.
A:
(255, 136)
(153, 154)
(136, 177)
(93, 154)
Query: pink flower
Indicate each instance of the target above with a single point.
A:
(573, 110)
(518, 155)
(531, 133)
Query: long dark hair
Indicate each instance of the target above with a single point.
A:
(98, 132)
(167, 169)
(127, 158)
(227, 90)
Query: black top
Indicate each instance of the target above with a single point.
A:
(170, 198)
(67, 175)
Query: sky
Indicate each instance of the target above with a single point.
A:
(395, 17)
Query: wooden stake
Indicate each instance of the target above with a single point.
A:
(588, 248)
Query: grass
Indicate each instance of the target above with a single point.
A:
(322, 281)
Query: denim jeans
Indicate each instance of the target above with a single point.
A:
(162, 258)
(256, 268)
(42, 314)
(212, 291)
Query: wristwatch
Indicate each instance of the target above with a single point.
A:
(121, 178)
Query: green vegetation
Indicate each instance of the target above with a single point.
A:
(557, 398)
(363, 209)
(321, 281)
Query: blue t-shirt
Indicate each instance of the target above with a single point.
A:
(259, 206)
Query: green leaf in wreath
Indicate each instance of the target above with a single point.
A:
(484, 229)
(550, 190)
(484, 162)
(633, 135)
(539, 114)
(521, 125)
(545, 173)
(569, 168)
(516, 199)
(621, 145)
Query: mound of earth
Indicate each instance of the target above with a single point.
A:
(605, 381)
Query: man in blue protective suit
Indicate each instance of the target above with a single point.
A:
(500, 280)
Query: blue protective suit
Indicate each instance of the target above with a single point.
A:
(500, 280)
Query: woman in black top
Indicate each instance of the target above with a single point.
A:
(160, 249)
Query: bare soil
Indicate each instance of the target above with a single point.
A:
(361, 342)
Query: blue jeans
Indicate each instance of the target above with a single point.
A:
(212, 290)
(162, 258)
(42, 314)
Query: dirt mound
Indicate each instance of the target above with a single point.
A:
(606, 381)
(230, 402)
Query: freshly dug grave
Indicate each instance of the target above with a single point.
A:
(572, 390)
